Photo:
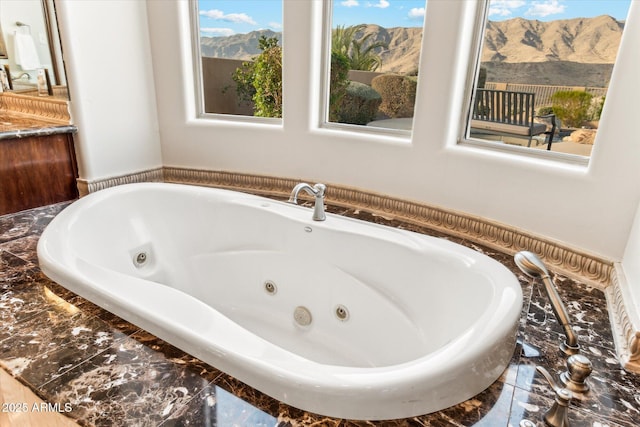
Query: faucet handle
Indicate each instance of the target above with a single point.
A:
(547, 376)
(320, 189)
(558, 414)
(578, 369)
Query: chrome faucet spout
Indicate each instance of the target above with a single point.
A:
(533, 267)
(316, 191)
(21, 76)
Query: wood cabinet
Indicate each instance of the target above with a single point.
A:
(37, 171)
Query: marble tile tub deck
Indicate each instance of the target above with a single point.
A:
(108, 372)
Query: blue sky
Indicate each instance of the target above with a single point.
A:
(548, 10)
(227, 17)
(386, 13)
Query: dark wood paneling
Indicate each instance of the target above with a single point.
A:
(36, 171)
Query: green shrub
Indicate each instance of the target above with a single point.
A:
(260, 80)
(571, 107)
(398, 94)
(543, 111)
(359, 105)
(268, 83)
(595, 108)
(338, 83)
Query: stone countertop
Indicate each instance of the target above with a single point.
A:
(18, 125)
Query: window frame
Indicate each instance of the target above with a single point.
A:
(324, 123)
(198, 77)
(464, 138)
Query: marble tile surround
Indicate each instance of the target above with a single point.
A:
(67, 350)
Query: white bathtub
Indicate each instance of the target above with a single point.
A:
(402, 324)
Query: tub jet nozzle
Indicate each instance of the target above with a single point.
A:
(140, 259)
(302, 316)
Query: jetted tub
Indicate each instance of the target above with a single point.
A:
(342, 317)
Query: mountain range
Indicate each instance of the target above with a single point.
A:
(584, 40)
(583, 48)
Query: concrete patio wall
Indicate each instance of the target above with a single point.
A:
(219, 88)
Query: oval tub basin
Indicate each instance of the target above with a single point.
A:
(342, 317)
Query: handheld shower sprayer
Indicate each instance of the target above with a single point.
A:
(533, 267)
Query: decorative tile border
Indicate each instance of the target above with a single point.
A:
(152, 175)
(45, 107)
(625, 323)
(595, 271)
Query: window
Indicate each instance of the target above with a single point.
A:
(239, 54)
(374, 50)
(542, 72)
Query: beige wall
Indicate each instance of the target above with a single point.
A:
(220, 89)
(363, 76)
(113, 106)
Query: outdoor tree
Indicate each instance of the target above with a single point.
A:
(338, 83)
(360, 51)
(260, 80)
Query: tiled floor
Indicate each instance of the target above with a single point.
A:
(111, 373)
(22, 408)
